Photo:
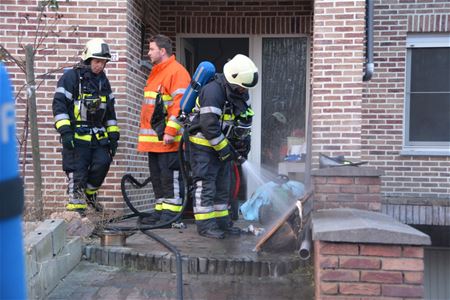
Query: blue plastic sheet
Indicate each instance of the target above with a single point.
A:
(271, 193)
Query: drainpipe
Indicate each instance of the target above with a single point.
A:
(369, 69)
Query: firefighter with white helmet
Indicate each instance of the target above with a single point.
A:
(96, 48)
(241, 71)
(85, 118)
(223, 121)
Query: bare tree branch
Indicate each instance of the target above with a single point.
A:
(6, 55)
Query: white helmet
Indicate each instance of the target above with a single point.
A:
(242, 71)
(96, 48)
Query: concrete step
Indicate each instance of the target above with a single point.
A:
(166, 262)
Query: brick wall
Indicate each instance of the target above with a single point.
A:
(383, 101)
(236, 17)
(132, 162)
(369, 271)
(120, 24)
(337, 70)
(347, 187)
(360, 120)
(79, 22)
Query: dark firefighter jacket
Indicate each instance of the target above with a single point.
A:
(217, 107)
(84, 104)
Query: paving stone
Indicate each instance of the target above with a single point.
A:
(94, 281)
(193, 265)
(212, 266)
(202, 265)
(265, 269)
(221, 266)
(256, 268)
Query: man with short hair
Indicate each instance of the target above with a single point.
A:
(159, 133)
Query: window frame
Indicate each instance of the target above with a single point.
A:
(415, 41)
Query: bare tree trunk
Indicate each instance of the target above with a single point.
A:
(32, 112)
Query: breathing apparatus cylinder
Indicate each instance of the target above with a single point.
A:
(203, 74)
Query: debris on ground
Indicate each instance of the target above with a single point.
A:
(253, 229)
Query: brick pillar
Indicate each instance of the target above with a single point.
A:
(355, 270)
(337, 71)
(347, 187)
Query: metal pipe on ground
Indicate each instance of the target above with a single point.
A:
(305, 247)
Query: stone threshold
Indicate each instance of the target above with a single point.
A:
(165, 262)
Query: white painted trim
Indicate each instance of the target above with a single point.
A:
(420, 40)
(428, 40)
(254, 49)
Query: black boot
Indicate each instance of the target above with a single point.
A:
(167, 215)
(77, 202)
(209, 228)
(214, 233)
(233, 230)
(151, 219)
(92, 201)
(225, 224)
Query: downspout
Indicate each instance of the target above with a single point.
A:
(369, 69)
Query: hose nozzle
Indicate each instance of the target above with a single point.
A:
(237, 157)
(240, 160)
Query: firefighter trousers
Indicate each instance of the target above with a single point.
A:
(212, 184)
(86, 167)
(166, 182)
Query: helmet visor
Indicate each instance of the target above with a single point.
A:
(253, 83)
(104, 52)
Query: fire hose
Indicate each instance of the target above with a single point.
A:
(146, 229)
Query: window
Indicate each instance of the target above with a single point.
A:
(427, 106)
(284, 69)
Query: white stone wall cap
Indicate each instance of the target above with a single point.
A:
(361, 226)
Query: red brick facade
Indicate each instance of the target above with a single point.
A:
(120, 24)
(363, 121)
(74, 28)
(356, 271)
(384, 97)
(359, 191)
(337, 66)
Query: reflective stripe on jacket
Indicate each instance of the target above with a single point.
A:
(217, 107)
(170, 79)
(70, 113)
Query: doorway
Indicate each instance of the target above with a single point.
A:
(215, 50)
(279, 100)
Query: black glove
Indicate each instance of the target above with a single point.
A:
(243, 146)
(67, 141)
(113, 138)
(113, 147)
(226, 154)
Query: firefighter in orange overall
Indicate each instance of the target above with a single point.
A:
(159, 133)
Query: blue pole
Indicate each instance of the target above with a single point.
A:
(12, 267)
